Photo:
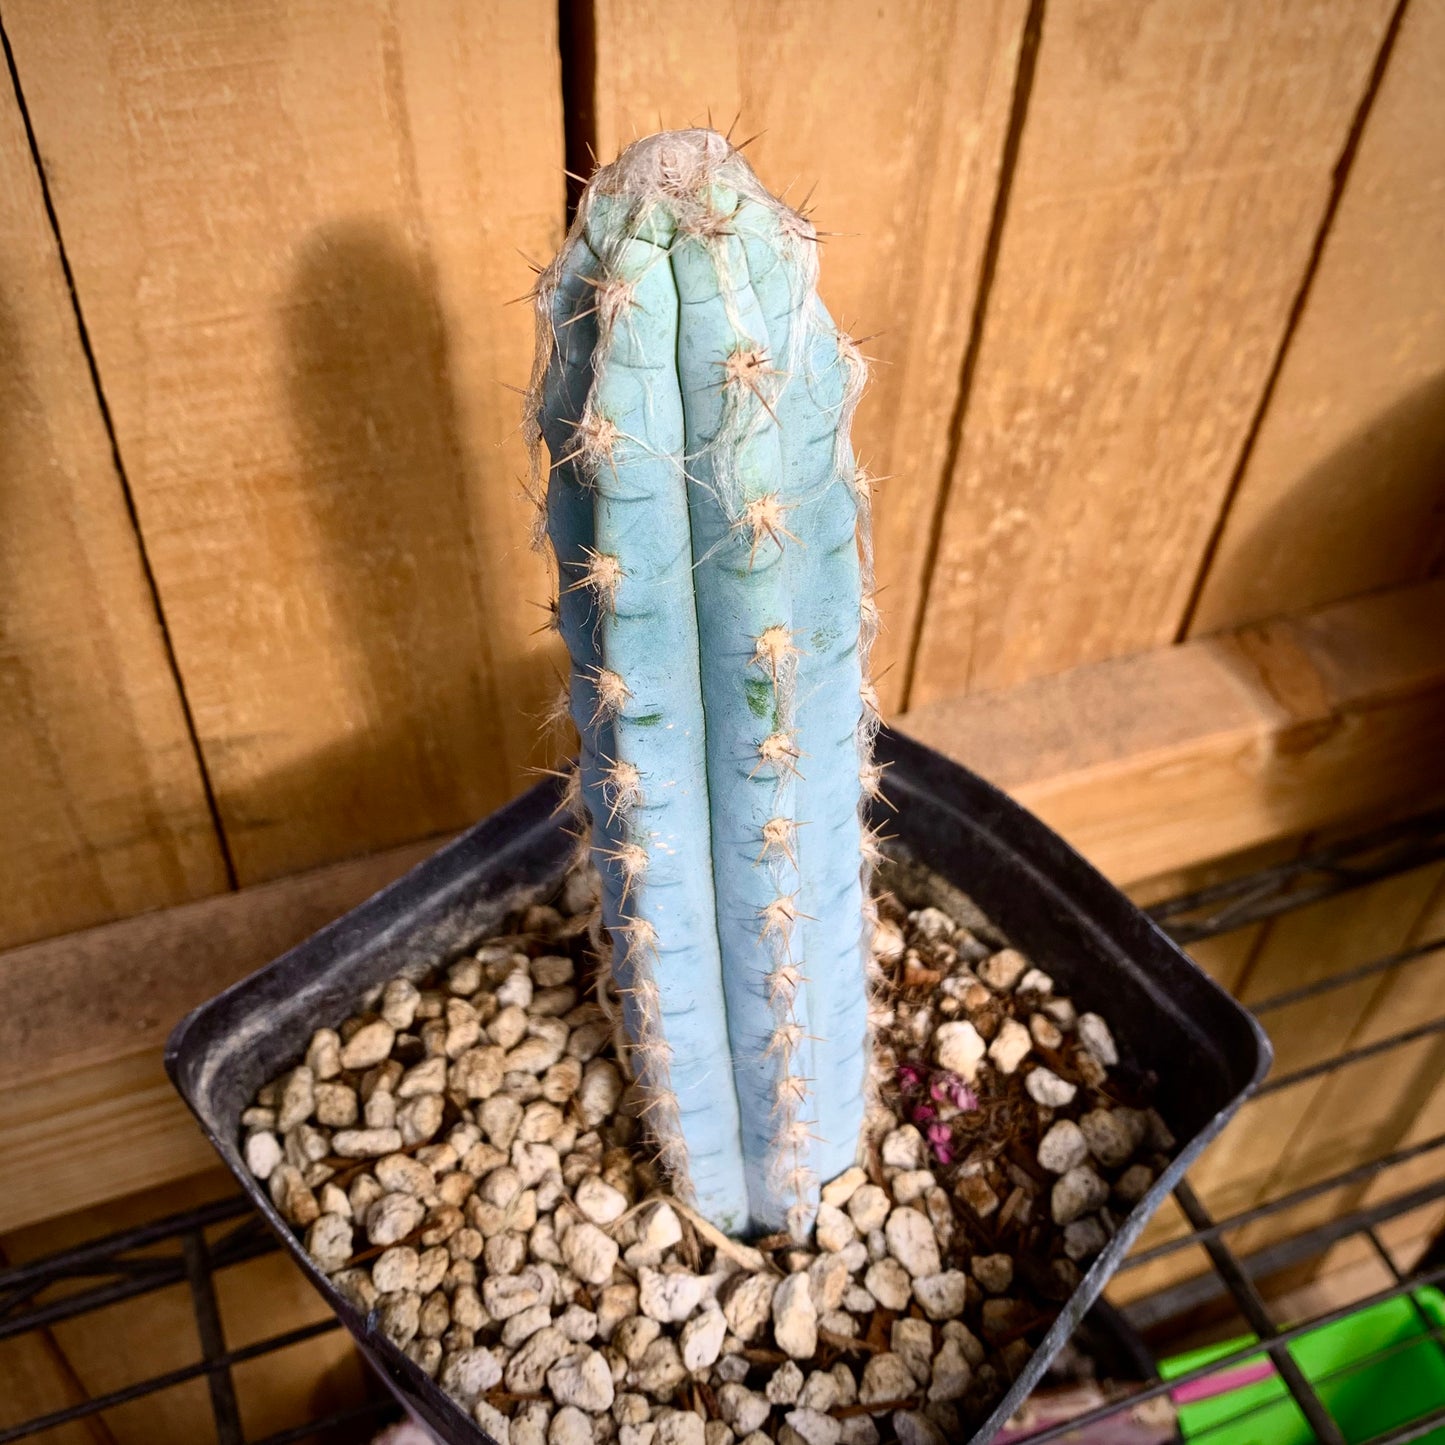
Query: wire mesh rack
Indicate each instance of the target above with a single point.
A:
(194, 1247)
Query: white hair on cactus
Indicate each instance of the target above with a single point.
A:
(602, 574)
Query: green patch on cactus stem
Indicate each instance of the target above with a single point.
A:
(761, 699)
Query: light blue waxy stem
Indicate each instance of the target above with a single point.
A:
(706, 514)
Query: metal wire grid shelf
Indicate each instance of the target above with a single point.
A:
(191, 1247)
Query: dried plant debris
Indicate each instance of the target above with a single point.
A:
(468, 1162)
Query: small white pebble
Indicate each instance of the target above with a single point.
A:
(841, 1189)
(1003, 970)
(1095, 1036)
(1011, 1046)
(263, 1153)
(834, 1230)
(958, 1046)
(599, 1201)
(368, 1046)
(1047, 1088)
(868, 1208)
(1063, 1147)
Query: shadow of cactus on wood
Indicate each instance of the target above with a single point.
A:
(378, 556)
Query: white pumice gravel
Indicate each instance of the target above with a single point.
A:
(1063, 1147)
(464, 1161)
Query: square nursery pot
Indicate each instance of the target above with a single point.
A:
(1167, 1016)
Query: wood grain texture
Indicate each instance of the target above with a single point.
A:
(257, 1300)
(82, 1042)
(1309, 1131)
(73, 1000)
(1269, 1152)
(139, 1338)
(92, 1135)
(105, 812)
(293, 228)
(1164, 759)
(1388, 1102)
(1172, 173)
(36, 1379)
(1344, 489)
(897, 113)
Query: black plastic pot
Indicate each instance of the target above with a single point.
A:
(1168, 1017)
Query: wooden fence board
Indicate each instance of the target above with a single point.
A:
(898, 113)
(105, 812)
(1157, 761)
(1344, 490)
(138, 1338)
(81, 1040)
(1284, 1141)
(1174, 168)
(1406, 1098)
(36, 1379)
(293, 228)
(1268, 1153)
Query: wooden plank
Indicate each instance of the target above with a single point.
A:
(72, 1001)
(1267, 1154)
(36, 1379)
(1366, 1110)
(257, 1300)
(86, 1111)
(1172, 173)
(1285, 1141)
(1415, 1078)
(1341, 493)
(1157, 761)
(293, 230)
(290, 1388)
(108, 1349)
(91, 1135)
(105, 813)
(898, 113)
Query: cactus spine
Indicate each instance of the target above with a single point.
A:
(706, 514)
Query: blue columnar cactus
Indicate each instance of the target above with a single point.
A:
(711, 534)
